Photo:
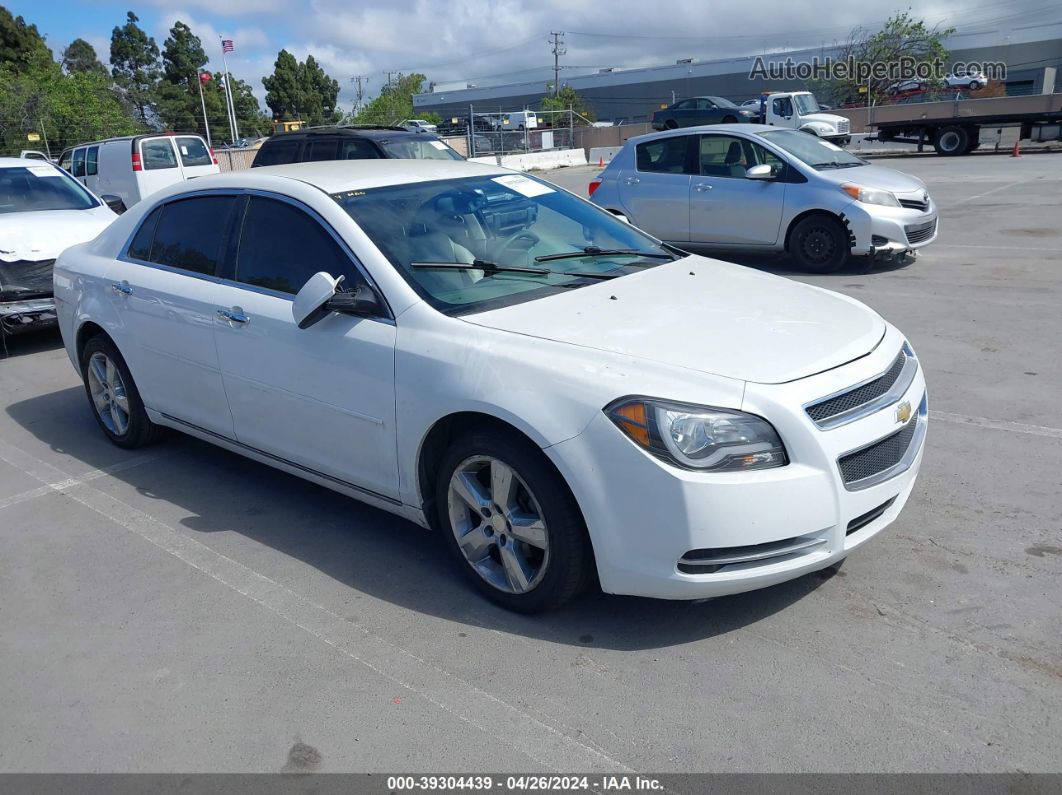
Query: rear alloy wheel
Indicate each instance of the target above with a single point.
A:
(512, 523)
(670, 124)
(819, 244)
(952, 140)
(114, 397)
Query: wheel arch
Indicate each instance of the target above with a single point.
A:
(818, 211)
(87, 331)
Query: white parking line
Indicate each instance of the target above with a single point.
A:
(997, 425)
(501, 721)
(989, 192)
(49, 488)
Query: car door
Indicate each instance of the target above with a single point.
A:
(655, 195)
(163, 287)
(158, 165)
(321, 397)
(78, 169)
(92, 155)
(727, 207)
(196, 159)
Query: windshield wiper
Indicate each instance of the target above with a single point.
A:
(835, 165)
(480, 264)
(594, 251)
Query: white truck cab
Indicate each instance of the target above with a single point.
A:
(799, 110)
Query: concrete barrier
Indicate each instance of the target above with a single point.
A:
(553, 158)
(606, 153)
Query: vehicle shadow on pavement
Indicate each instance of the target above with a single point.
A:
(782, 265)
(365, 549)
(29, 342)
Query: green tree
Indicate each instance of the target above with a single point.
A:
(568, 99)
(178, 91)
(904, 42)
(283, 88)
(394, 102)
(20, 44)
(135, 65)
(319, 93)
(80, 56)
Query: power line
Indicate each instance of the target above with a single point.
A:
(558, 51)
(359, 79)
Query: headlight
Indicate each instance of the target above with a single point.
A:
(870, 195)
(699, 437)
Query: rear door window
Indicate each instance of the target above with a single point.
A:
(322, 149)
(191, 233)
(79, 163)
(358, 149)
(665, 155)
(92, 161)
(277, 154)
(193, 151)
(140, 247)
(157, 153)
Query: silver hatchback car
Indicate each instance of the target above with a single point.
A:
(756, 187)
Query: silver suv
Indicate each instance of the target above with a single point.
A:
(756, 187)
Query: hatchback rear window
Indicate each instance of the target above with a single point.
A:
(157, 154)
(194, 151)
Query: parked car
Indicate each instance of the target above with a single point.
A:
(701, 110)
(418, 125)
(478, 351)
(351, 143)
(136, 166)
(753, 103)
(35, 154)
(42, 211)
(905, 87)
(519, 120)
(755, 187)
(965, 79)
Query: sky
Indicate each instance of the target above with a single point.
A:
(498, 41)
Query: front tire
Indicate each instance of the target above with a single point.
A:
(951, 141)
(113, 396)
(819, 244)
(511, 522)
(670, 124)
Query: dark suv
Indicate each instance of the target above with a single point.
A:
(351, 143)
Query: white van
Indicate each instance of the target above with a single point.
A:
(136, 166)
(521, 120)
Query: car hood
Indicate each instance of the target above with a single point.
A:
(43, 235)
(824, 118)
(875, 177)
(706, 315)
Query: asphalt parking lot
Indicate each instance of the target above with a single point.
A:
(183, 609)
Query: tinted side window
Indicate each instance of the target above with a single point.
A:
(140, 247)
(667, 155)
(358, 149)
(277, 154)
(322, 149)
(193, 151)
(191, 233)
(281, 247)
(66, 159)
(91, 161)
(157, 154)
(79, 163)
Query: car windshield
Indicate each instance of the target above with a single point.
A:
(26, 189)
(500, 235)
(814, 151)
(806, 104)
(419, 149)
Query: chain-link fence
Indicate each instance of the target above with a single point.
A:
(504, 132)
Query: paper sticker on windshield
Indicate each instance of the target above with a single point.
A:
(437, 144)
(44, 171)
(523, 185)
(834, 147)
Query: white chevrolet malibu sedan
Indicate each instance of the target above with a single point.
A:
(562, 396)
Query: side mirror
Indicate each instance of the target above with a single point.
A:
(762, 171)
(114, 202)
(322, 295)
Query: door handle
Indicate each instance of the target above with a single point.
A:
(702, 187)
(631, 180)
(234, 315)
(122, 287)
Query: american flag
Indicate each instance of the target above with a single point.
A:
(226, 45)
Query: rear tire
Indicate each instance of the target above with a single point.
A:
(819, 244)
(951, 141)
(524, 545)
(729, 120)
(113, 396)
(670, 124)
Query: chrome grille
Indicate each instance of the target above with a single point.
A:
(914, 204)
(834, 407)
(879, 456)
(843, 127)
(916, 233)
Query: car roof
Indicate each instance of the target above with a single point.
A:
(335, 176)
(356, 132)
(740, 127)
(15, 162)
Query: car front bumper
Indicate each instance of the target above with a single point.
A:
(648, 519)
(892, 230)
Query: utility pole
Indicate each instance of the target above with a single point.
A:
(558, 51)
(358, 80)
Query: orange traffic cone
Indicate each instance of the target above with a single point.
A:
(1017, 151)
(601, 162)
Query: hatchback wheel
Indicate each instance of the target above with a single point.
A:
(511, 522)
(819, 244)
(115, 400)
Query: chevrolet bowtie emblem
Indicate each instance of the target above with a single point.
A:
(903, 412)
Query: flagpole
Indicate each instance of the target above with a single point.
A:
(228, 93)
(202, 102)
